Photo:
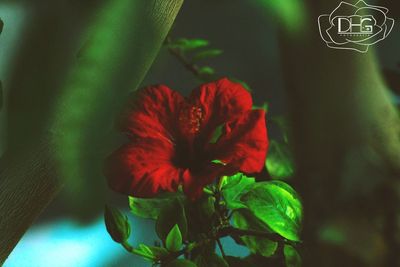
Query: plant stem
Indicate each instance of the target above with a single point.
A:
(227, 231)
(221, 248)
(183, 59)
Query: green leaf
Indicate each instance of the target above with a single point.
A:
(283, 124)
(152, 252)
(189, 44)
(181, 263)
(117, 224)
(174, 239)
(207, 206)
(217, 134)
(264, 107)
(244, 219)
(279, 161)
(277, 205)
(206, 71)
(292, 257)
(171, 214)
(150, 208)
(210, 260)
(217, 161)
(234, 188)
(206, 54)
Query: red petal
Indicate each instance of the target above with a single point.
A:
(220, 102)
(244, 143)
(152, 113)
(142, 169)
(193, 183)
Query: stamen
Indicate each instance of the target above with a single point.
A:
(190, 119)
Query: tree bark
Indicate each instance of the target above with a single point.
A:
(29, 170)
(344, 126)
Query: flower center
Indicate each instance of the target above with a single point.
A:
(190, 119)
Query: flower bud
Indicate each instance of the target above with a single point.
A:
(117, 224)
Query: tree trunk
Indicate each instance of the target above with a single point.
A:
(344, 126)
(31, 166)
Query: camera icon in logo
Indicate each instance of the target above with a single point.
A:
(355, 27)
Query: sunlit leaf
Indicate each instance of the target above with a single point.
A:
(235, 186)
(244, 219)
(174, 239)
(292, 257)
(277, 205)
(279, 161)
(206, 54)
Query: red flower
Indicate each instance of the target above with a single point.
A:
(170, 139)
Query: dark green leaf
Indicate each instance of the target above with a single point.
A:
(207, 206)
(150, 208)
(117, 224)
(171, 214)
(210, 260)
(189, 44)
(206, 54)
(232, 194)
(279, 161)
(181, 263)
(292, 257)
(217, 134)
(174, 239)
(276, 204)
(283, 124)
(244, 219)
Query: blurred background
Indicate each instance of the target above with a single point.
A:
(71, 232)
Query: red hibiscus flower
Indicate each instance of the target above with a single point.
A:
(171, 139)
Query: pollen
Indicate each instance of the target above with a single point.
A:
(190, 119)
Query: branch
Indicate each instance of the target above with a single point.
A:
(193, 68)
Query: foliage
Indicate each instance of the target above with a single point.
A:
(258, 215)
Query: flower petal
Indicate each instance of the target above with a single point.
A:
(152, 113)
(244, 142)
(142, 169)
(194, 182)
(220, 102)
